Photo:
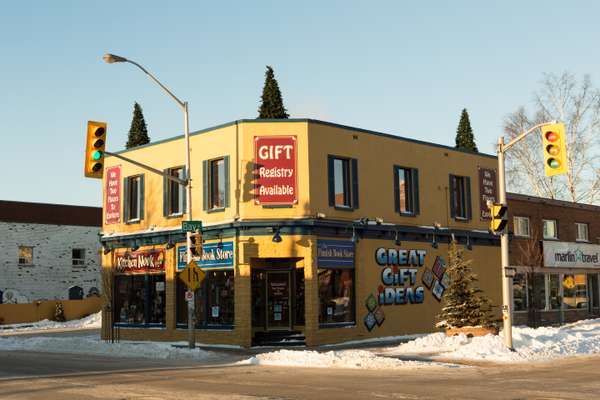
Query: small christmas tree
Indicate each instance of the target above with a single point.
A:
(464, 133)
(138, 133)
(271, 101)
(59, 313)
(464, 303)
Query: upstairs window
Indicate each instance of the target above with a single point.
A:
(550, 229)
(174, 202)
(343, 182)
(25, 255)
(521, 226)
(406, 190)
(134, 198)
(582, 232)
(78, 257)
(216, 184)
(460, 197)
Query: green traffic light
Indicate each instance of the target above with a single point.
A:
(553, 163)
(97, 155)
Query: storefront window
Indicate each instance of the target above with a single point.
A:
(536, 284)
(554, 292)
(336, 296)
(574, 291)
(214, 300)
(299, 298)
(520, 292)
(593, 289)
(140, 299)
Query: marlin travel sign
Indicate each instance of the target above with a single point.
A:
(574, 255)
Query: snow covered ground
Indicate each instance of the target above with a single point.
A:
(540, 344)
(354, 359)
(93, 321)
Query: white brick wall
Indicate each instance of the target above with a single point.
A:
(52, 272)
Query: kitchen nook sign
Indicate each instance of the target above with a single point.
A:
(275, 170)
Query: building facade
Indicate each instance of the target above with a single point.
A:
(48, 251)
(555, 246)
(317, 230)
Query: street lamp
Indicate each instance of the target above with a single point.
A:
(112, 58)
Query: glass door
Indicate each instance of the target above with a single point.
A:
(278, 300)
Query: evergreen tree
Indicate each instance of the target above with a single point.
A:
(138, 133)
(464, 133)
(464, 304)
(272, 103)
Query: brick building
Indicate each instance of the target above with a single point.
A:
(48, 251)
(555, 246)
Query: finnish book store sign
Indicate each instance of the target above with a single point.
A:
(214, 255)
(574, 255)
(275, 170)
(112, 202)
(335, 253)
(140, 261)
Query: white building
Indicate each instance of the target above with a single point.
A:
(48, 251)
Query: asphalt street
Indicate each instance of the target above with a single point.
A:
(33, 376)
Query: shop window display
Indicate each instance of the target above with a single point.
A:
(574, 291)
(536, 288)
(520, 292)
(336, 296)
(214, 300)
(140, 299)
(554, 292)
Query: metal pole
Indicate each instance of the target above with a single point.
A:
(506, 281)
(188, 235)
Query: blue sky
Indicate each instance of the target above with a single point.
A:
(405, 68)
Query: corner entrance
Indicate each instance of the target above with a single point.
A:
(277, 300)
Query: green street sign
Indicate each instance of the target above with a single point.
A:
(191, 226)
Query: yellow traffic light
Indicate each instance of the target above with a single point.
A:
(555, 149)
(196, 247)
(499, 220)
(94, 149)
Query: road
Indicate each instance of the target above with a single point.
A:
(37, 376)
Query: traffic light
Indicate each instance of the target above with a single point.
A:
(499, 215)
(555, 149)
(94, 149)
(196, 244)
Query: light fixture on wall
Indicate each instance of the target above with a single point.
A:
(320, 215)
(170, 245)
(469, 246)
(397, 239)
(434, 242)
(107, 249)
(354, 235)
(276, 237)
(135, 246)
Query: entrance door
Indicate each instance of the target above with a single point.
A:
(278, 300)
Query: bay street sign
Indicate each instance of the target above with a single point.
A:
(191, 226)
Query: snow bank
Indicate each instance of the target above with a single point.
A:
(93, 321)
(355, 359)
(545, 343)
(91, 344)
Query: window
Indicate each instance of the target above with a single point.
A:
(593, 289)
(460, 197)
(140, 299)
(25, 255)
(78, 257)
(582, 232)
(214, 300)
(554, 291)
(536, 290)
(134, 198)
(343, 182)
(521, 226)
(216, 184)
(550, 231)
(575, 291)
(520, 292)
(406, 190)
(336, 295)
(174, 193)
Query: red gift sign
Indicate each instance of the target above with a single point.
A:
(112, 203)
(275, 170)
(140, 261)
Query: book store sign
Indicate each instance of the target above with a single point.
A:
(574, 255)
(214, 255)
(275, 170)
(140, 261)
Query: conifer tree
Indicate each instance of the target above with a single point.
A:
(271, 101)
(464, 133)
(463, 303)
(138, 133)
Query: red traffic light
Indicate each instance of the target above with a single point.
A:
(552, 136)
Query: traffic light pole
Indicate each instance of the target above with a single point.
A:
(507, 279)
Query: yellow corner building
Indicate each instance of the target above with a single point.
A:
(313, 233)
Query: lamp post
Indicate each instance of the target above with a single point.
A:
(112, 58)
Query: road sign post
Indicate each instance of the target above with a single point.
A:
(192, 276)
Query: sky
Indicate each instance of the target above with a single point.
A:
(406, 68)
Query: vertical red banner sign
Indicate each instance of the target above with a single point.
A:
(275, 170)
(487, 191)
(112, 202)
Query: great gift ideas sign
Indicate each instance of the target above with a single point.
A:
(275, 170)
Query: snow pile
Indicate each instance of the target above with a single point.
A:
(356, 359)
(93, 321)
(91, 344)
(545, 343)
